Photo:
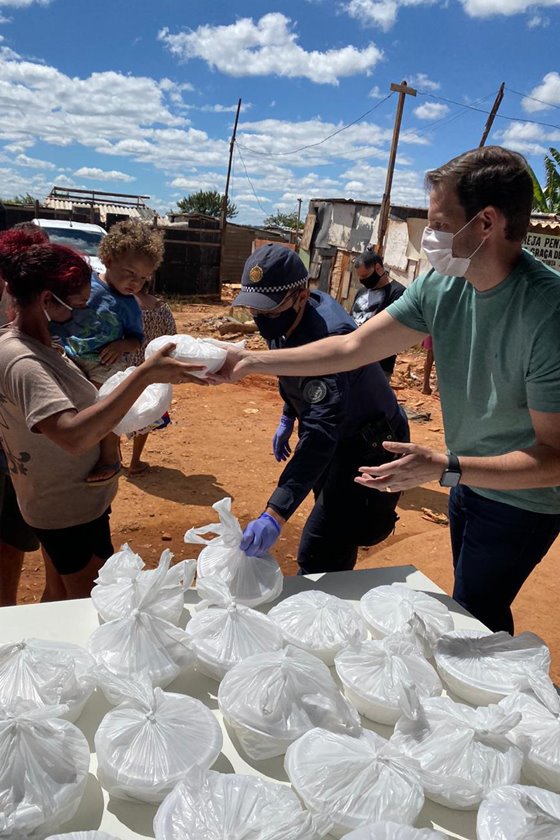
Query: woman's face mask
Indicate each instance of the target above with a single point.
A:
(438, 247)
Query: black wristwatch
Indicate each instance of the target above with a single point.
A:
(451, 476)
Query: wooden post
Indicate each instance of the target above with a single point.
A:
(403, 90)
(231, 148)
(297, 226)
(493, 112)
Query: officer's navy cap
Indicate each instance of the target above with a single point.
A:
(270, 273)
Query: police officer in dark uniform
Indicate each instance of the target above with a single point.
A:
(342, 420)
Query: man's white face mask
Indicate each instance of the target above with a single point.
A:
(438, 247)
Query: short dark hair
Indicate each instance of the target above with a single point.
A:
(491, 176)
(368, 260)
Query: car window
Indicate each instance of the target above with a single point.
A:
(84, 241)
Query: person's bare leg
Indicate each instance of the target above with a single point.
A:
(136, 465)
(109, 463)
(11, 562)
(428, 365)
(55, 589)
(79, 584)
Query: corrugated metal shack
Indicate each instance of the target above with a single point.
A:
(192, 256)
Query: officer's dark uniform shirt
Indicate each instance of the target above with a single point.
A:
(329, 408)
(368, 302)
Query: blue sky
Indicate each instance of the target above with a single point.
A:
(138, 97)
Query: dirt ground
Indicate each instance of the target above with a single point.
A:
(220, 445)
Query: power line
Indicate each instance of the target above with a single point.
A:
(448, 118)
(534, 98)
(482, 111)
(247, 176)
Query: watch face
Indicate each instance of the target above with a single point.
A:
(450, 478)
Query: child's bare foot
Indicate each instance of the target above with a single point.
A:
(102, 473)
(138, 467)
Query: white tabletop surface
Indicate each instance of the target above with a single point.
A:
(74, 621)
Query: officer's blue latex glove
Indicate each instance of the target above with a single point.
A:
(281, 440)
(260, 535)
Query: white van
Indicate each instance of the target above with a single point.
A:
(83, 237)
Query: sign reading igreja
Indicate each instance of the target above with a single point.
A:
(545, 247)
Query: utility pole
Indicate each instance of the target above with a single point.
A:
(493, 112)
(231, 148)
(297, 226)
(403, 90)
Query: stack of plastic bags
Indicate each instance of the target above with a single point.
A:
(319, 623)
(271, 699)
(353, 781)
(46, 673)
(214, 806)
(375, 673)
(517, 812)
(222, 632)
(396, 608)
(148, 743)
(251, 580)
(483, 668)
(43, 771)
(537, 734)
(150, 406)
(393, 831)
(208, 352)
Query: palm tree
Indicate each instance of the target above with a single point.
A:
(547, 199)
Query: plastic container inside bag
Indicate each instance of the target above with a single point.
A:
(375, 672)
(160, 591)
(462, 752)
(214, 806)
(43, 771)
(538, 735)
(150, 406)
(396, 608)
(353, 781)
(148, 743)
(271, 699)
(251, 580)
(482, 668)
(519, 812)
(46, 673)
(194, 351)
(222, 633)
(319, 623)
(393, 831)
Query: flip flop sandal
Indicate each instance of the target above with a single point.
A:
(115, 468)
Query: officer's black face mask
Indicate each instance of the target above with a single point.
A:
(271, 328)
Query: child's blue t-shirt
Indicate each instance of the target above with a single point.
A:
(108, 316)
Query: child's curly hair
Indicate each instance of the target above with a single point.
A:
(132, 236)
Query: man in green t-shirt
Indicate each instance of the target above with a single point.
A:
(493, 311)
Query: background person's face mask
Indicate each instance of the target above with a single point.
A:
(438, 247)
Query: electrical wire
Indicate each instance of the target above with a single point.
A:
(247, 176)
(448, 118)
(534, 98)
(482, 111)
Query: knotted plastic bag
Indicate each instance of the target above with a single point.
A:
(83, 835)
(393, 831)
(395, 608)
(214, 806)
(374, 674)
(271, 699)
(537, 734)
(519, 812)
(160, 591)
(222, 632)
(194, 351)
(43, 771)
(45, 673)
(150, 406)
(353, 781)
(122, 564)
(251, 580)
(482, 668)
(319, 623)
(462, 752)
(152, 739)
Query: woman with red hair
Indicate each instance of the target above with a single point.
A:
(50, 422)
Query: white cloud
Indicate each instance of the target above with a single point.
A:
(33, 163)
(422, 81)
(367, 183)
(92, 173)
(375, 93)
(528, 138)
(382, 13)
(267, 47)
(23, 4)
(225, 109)
(431, 110)
(489, 8)
(548, 92)
(538, 21)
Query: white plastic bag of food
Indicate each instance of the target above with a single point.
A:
(150, 406)
(46, 673)
(152, 739)
(251, 580)
(482, 668)
(122, 564)
(222, 632)
(159, 591)
(393, 831)
(141, 642)
(195, 351)
(396, 608)
(462, 752)
(375, 673)
(83, 835)
(43, 771)
(319, 623)
(519, 812)
(353, 781)
(215, 806)
(537, 734)
(271, 699)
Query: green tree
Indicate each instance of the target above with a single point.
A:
(547, 198)
(208, 202)
(287, 220)
(20, 199)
